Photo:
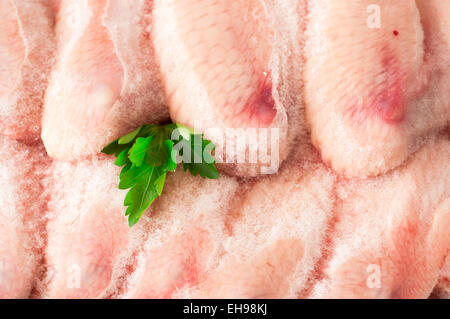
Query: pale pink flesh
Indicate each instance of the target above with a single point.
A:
(12, 49)
(266, 275)
(80, 261)
(372, 93)
(182, 247)
(384, 229)
(230, 60)
(96, 94)
(26, 51)
(307, 231)
(229, 240)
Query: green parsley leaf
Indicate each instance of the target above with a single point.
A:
(122, 158)
(197, 157)
(142, 193)
(129, 137)
(113, 148)
(148, 153)
(171, 163)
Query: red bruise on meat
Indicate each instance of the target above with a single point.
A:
(105, 82)
(261, 104)
(387, 102)
(26, 51)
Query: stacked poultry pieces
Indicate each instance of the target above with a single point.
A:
(357, 94)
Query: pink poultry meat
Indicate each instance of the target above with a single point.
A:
(105, 81)
(354, 93)
(26, 55)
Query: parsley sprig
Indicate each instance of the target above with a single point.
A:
(149, 153)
